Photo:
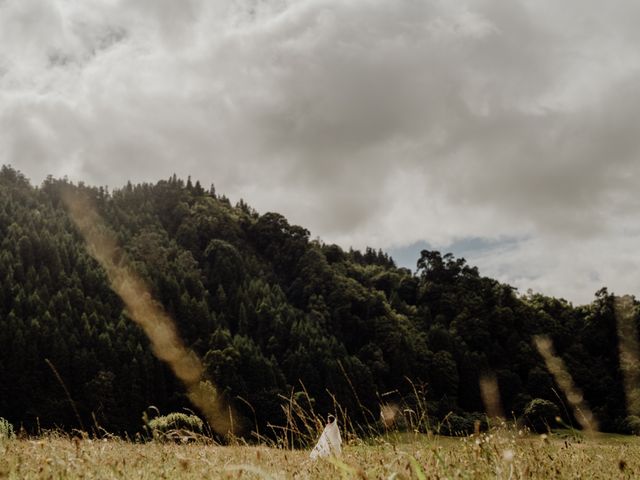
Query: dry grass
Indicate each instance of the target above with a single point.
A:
(502, 454)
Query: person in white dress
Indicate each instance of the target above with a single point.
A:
(330, 442)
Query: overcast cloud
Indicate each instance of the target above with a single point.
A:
(369, 122)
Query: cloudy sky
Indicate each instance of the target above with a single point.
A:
(507, 132)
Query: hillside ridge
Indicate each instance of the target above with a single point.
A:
(273, 315)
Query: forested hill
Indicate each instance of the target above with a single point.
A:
(271, 313)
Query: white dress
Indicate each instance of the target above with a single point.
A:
(330, 442)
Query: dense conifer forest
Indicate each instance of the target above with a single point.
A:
(273, 314)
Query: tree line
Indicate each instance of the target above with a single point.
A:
(273, 314)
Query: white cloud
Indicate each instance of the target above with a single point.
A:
(573, 269)
(370, 122)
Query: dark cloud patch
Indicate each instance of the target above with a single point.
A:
(370, 122)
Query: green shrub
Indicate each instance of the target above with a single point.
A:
(456, 425)
(540, 414)
(6, 430)
(176, 426)
(631, 425)
(461, 425)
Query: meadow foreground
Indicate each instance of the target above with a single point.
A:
(501, 455)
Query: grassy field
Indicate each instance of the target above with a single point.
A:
(499, 454)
